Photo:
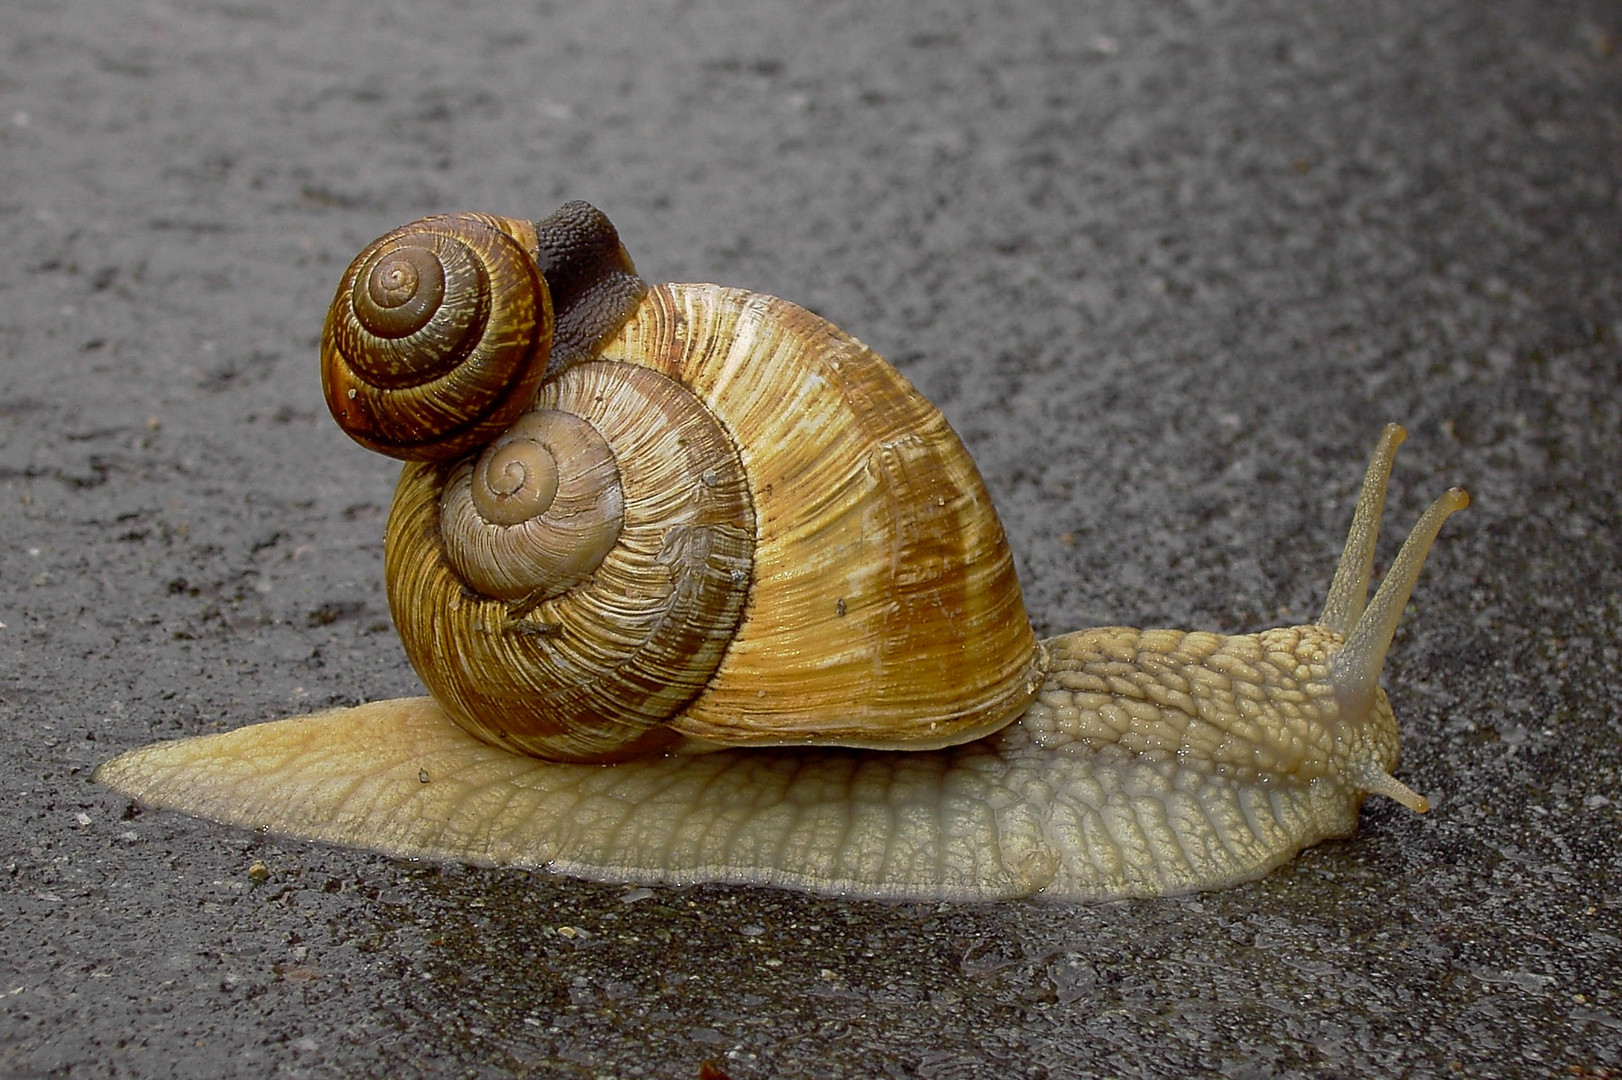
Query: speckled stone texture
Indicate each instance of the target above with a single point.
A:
(1166, 266)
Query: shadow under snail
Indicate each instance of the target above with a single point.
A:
(703, 590)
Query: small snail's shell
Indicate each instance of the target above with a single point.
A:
(807, 554)
(438, 336)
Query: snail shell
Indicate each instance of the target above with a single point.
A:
(438, 336)
(787, 544)
(441, 330)
(721, 521)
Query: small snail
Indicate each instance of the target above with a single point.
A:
(721, 597)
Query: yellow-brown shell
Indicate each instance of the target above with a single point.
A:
(863, 590)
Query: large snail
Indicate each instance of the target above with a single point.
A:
(703, 590)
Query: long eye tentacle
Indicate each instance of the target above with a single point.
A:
(1356, 668)
(1349, 590)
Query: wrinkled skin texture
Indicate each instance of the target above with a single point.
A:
(1142, 769)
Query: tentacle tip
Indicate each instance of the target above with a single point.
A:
(1456, 498)
(1377, 781)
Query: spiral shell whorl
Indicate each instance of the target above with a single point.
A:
(438, 336)
(396, 294)
(538, 510)
(592, 673)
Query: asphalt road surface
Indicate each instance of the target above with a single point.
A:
(1166, 266)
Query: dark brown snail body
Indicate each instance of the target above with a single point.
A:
(713, 520)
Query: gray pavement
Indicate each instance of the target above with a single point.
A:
(1167, 267)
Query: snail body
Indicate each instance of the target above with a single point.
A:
(726, 548)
